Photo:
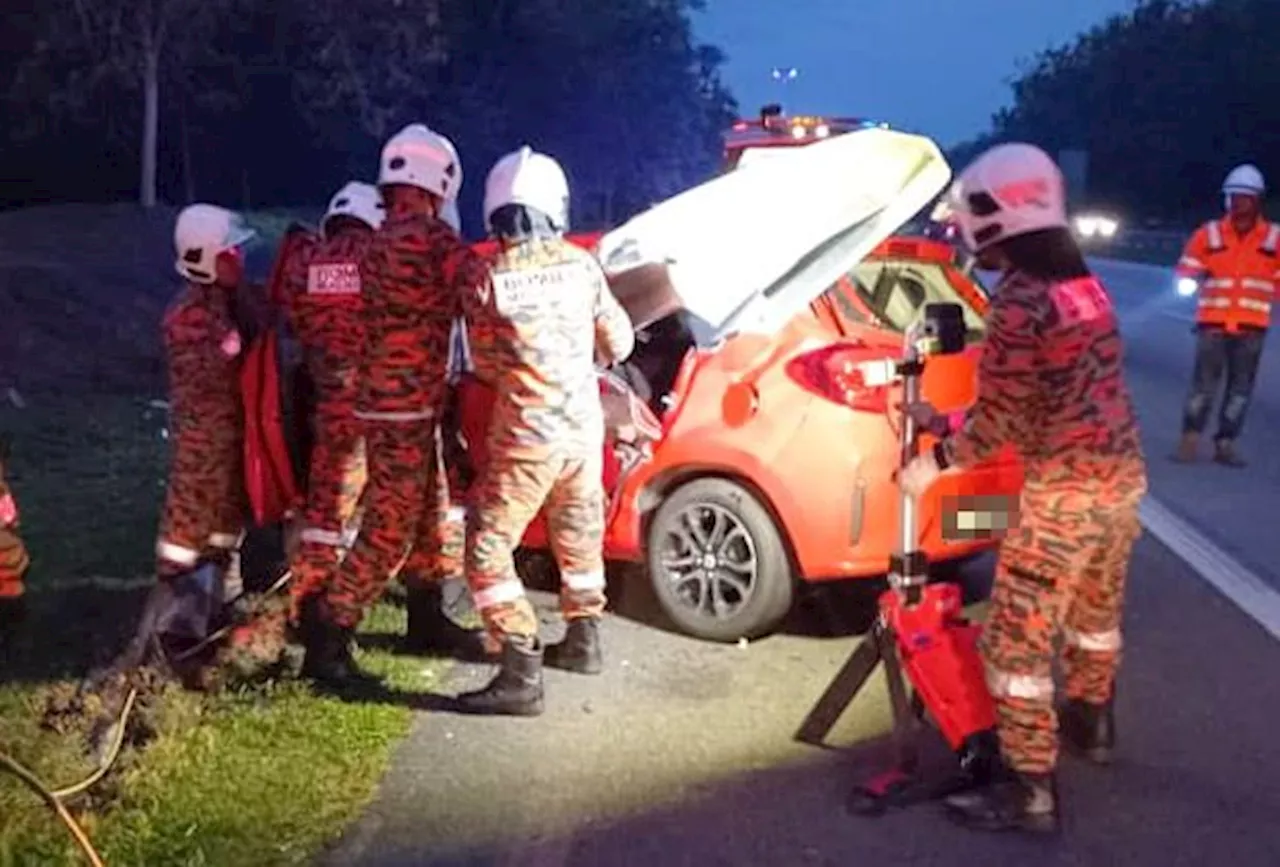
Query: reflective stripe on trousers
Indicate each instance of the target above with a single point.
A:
(1095, 642)
(503, 593)
(583, 581)
(1004, 684)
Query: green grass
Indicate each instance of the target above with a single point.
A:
(261, 776)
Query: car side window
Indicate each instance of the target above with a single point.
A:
(839, 306)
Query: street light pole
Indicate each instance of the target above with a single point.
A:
(783, 75)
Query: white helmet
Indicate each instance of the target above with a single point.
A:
(1244, 179)
(200, 234)
(359, 201)
(1010, 190)
(526, 177)
(449, 213)
(421, 158)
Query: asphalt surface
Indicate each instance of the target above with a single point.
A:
(1235, 508)
(683, 752)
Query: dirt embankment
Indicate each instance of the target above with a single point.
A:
(82, 292)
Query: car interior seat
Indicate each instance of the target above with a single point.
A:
(905, 299)
(654, 364)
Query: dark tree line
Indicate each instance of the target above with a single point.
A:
(1166, 99)
(260, 103)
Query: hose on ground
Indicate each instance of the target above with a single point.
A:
(54, 797)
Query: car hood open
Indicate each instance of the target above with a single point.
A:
(746, 251)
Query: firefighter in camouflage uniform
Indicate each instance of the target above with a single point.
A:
(411, 300)
(204, 508)
(536, 325)
(1050, 383)
(323, 291)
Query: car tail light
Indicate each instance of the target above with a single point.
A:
(847, 376)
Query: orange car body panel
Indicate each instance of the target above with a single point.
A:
(824, 469)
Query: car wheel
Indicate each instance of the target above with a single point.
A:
(717, 562)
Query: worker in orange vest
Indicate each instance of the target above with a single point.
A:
(1232, 264)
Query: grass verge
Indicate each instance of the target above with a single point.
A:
(261, 776)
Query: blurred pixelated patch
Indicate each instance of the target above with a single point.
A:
(967, 519)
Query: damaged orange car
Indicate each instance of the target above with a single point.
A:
(748, 463)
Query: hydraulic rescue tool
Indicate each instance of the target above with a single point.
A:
(920, 629)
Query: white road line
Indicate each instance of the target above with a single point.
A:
(1251, 594)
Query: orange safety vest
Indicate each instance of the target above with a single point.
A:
(1241, 274)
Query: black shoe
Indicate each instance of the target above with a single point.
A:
(432, 632)
(1225, 453)
(1012, 802)
(579, 652)
(516, 690)
(328, 660)
(1088, 729)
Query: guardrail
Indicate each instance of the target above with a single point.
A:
(1156, 247)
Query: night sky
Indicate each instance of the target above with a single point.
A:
(938, 67)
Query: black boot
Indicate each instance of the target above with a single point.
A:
(517, 688)
(579, 652)
(1089, 729)
(1012, 802)
(328, 660)
(432, 632)
(1225, 453)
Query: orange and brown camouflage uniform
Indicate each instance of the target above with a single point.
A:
(535, 325)
(205, 503)
(13, 554)
(437, 553)
(1051, 383)
(415, 268)
(323, 286)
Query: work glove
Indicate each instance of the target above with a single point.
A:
(918, 475)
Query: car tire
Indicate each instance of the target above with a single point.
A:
(753, 574)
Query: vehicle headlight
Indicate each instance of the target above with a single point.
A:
(1187, 286)
(822, 130)
(1096, 226)
(797, 131)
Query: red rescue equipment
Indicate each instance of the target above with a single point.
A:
(275, 453)
(921, 632)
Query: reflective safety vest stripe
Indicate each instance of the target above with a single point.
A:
(1241, 284)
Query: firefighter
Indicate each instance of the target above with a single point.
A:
(414, 269)
(1234, 262)
(323, 293)
(204, 507)
(1051, 384)
(535, 327)
(433, 573)
(14, 559)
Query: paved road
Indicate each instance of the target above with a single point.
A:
(682, 753)
(1235, 508)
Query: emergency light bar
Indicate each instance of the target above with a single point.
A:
(800, 127)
